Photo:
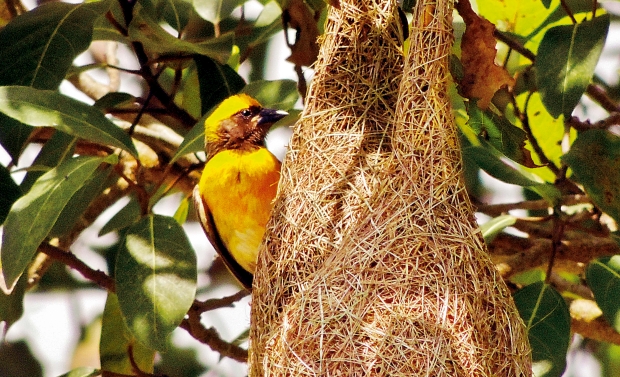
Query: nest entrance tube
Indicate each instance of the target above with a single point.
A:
(372, 262)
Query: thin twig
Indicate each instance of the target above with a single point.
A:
(568, 11)
(217, 303)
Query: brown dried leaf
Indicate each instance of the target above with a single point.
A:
(300, 17)
(482, 77)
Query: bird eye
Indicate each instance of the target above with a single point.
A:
(246, 113)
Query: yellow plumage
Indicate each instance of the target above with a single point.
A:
(235, 193)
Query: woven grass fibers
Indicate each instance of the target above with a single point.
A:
(323, 185)
(378, 269)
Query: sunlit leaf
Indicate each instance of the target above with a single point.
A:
(603, 277)
(193, 142)
(595, 161)
(83, 372)
(116, 340)
(496, 225)
(155, 278)
(565, 64)
(547, 319)
(33, 215)
(58, 148)
(50, 108)
(39, 46)
(100, 180)
(180, 215)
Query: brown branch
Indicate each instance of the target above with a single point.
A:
(210, 337)
(598, 329)
(217, 303)
(69, 259)
(512, 254)
(529, 205)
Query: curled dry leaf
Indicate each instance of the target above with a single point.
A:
(300, 17)
(481, 76)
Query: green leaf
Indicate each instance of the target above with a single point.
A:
(12, 305)
(603, 277)
(39, 46)
(116, 340)
(217, 82)
(57, 149)
(595, 160)
(216, 10)
(155, 278)
(49, 108)
(130, 214)
(180, 215)
(157, 40)
(500, 133)
(193, 142)
(13, 136)
(100, 180)
(565, 64)
(10, 192)
(83, 372)
(493, 227)
(33, 215)
(547, 319)
(278, 94)
(494, 163)
(114, 100)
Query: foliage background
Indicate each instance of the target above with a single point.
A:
(178, 60)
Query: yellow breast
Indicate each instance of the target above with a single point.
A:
(238, 188)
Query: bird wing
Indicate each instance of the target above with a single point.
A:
(243, 276)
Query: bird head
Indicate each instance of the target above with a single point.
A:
(239, 122)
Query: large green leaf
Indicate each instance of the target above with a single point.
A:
(603, 277)
(595, 160)
(33, 215)
(547, 319)
(38, 47)
(116, 340)
(10, 192)
(100, 180)
(129, 214)
(277, 94)
(12, 305)
(500, 133)
(57, 149)
(217, 81)
(157, 40)
(565, 64)
(13, 136)
(49, 108)
(495, 164)
(155, 278)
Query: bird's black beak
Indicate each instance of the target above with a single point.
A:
(267, 117)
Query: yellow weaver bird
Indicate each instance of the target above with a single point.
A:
(240, 178)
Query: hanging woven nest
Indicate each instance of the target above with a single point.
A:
(373, 263)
